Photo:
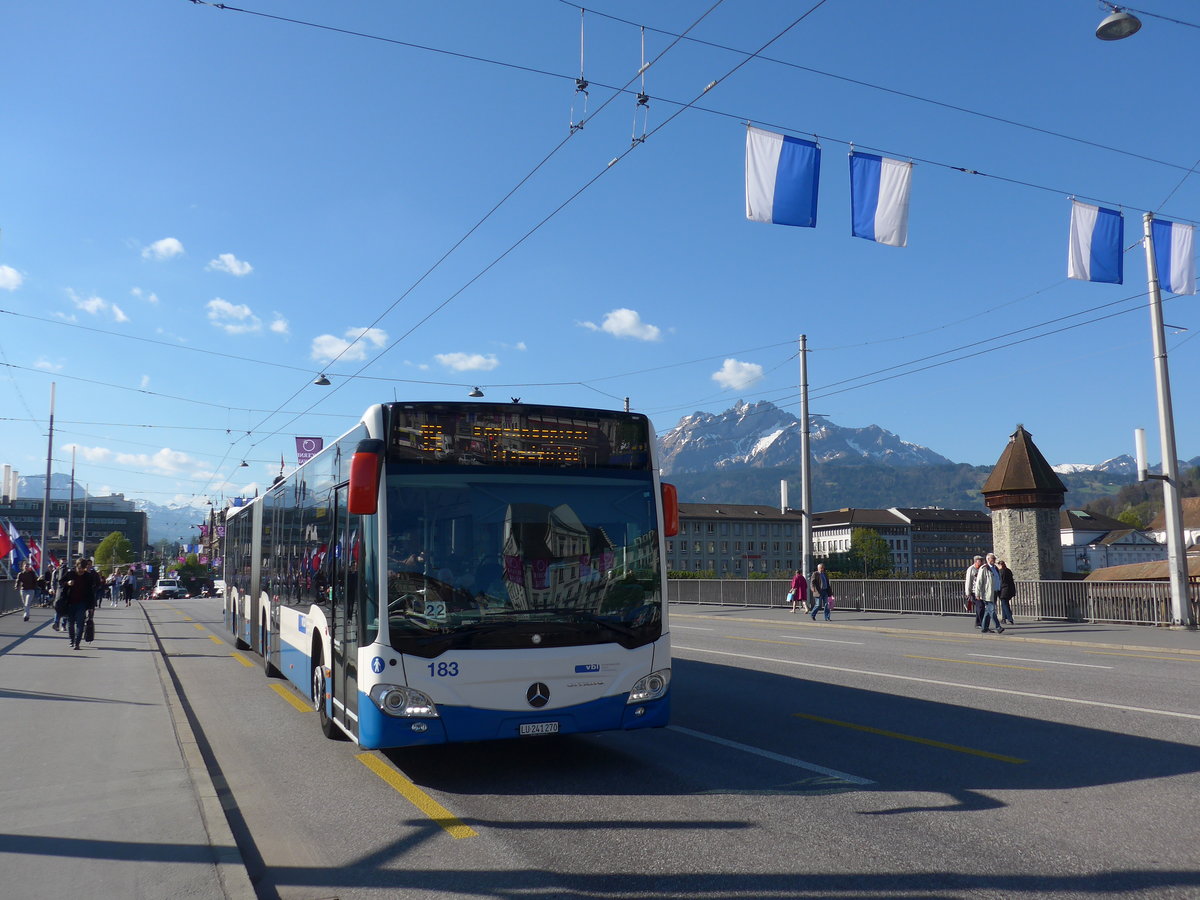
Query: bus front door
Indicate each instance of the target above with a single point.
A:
(345, 613)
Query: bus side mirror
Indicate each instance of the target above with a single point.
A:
(670, 506)
(365, 468)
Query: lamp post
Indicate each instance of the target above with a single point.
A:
(1181, 607)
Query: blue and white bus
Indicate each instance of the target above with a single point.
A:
(463, 572)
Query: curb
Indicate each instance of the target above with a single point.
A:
(227, 858)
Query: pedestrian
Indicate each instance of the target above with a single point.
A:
(78, 593)
(127, 588)
(114, 581)
(797, 592)
(55, 584)
(973, 603)
(820, 591)
(1008, 590)
(987, 587)
(27, 584)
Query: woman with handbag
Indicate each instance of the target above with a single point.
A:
(798, 593)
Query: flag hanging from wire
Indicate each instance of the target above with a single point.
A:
(1097, 246)
(879, 192)
(1174, 255)
(781, 178)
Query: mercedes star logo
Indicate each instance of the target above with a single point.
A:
(538, 695)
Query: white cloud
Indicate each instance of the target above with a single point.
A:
(626, 323)
(45, 364)
(737, 375)
(165, 461)
(467, 362)
(145, 382)
(163, 249)
(91, 454)
(10, 278)
(150, 297)
(96, 305)
(327, 347)
(227, 262)
(279, 324)
(232, 318)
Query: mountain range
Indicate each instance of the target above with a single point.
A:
(742, 454)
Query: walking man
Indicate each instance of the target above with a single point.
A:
(987, 587)
(821, 592)
(27, 584)
(77, 597)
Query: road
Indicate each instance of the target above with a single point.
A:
(803, 760)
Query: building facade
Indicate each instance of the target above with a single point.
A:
(735, 540)
(1091, 541)
(91, 522)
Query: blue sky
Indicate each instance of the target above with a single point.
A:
(200, 208)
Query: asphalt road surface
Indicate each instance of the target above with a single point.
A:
(803, 760)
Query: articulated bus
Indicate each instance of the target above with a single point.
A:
(462, 572)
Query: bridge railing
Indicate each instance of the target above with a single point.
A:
(1133, 602)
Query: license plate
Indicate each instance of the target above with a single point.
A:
(539, 728)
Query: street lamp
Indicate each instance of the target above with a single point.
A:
(1119, 24)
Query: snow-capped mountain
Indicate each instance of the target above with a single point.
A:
(762, 435)
(1118, 465)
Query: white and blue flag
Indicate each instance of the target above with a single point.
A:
(1096, 251)
(1174, 255)
(879, 192)
(781, 178)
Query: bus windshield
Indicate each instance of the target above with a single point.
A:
(502, 559)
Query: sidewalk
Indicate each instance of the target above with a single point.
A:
(1106, 635)
(103, 788)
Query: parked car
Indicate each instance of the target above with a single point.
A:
(169, 589)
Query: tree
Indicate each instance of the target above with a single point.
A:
(114, 551)
(874, 554)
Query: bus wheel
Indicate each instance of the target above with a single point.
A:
(319, 683)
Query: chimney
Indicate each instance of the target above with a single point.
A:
(783, 496)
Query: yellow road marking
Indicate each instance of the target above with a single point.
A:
(417, 797)
(290, 696)
(198, 626)
(215, 639)
(187, 618)
(1143, 656)
(968, 662)
(916, 740)
(245, 662)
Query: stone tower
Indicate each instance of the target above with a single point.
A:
(1025, 495)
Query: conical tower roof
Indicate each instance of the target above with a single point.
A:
(1022, 478)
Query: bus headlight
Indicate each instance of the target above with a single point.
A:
(403, 702)
(650, 687)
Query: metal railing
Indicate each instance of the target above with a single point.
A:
(1131, 602)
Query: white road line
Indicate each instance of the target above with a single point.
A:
(777, 757)
(1048, 662)
(816, 640)
(954, 684)
(690, 628)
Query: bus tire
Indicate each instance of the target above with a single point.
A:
(328, 728)
(268, 666)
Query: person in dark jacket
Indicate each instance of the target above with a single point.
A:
(820, 591)
(1008, 590)
(77, 598)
